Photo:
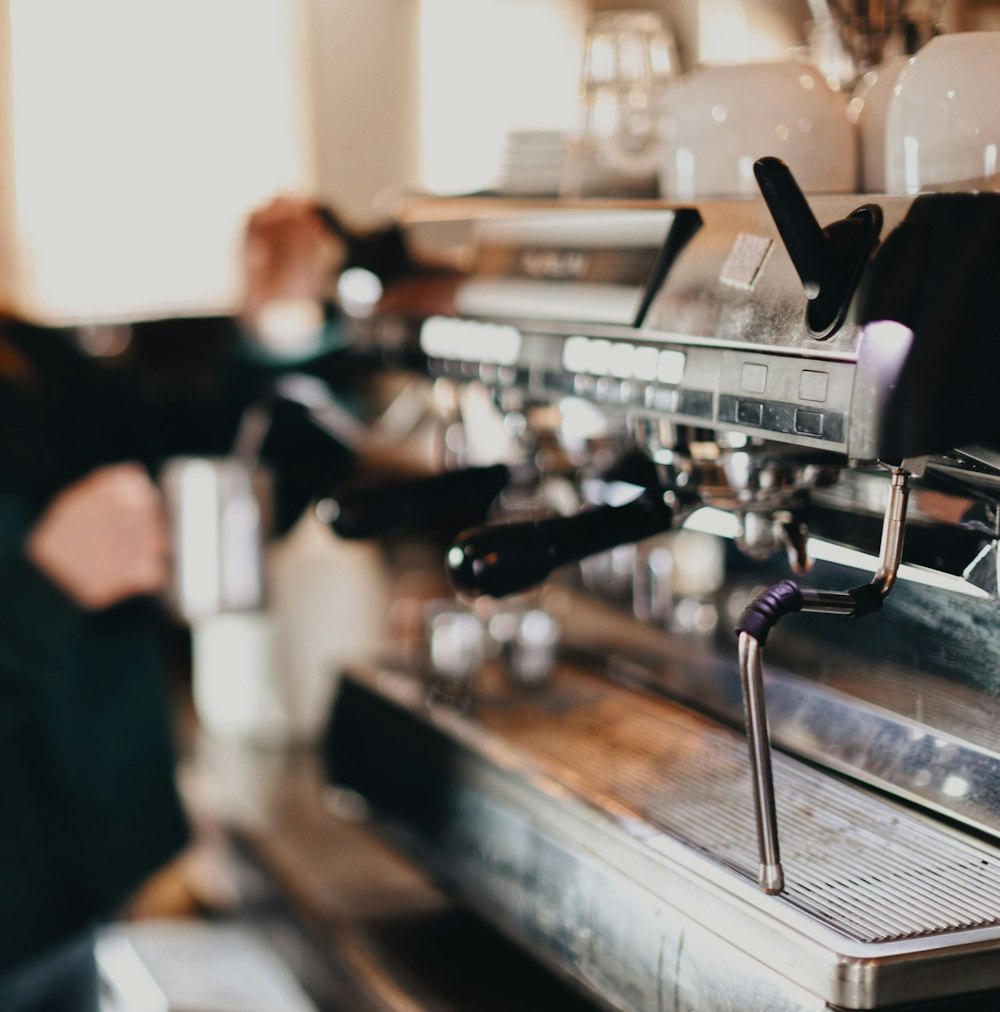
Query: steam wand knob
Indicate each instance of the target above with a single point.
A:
(829, 261)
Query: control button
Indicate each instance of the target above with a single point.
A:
(809, 423)
(575, 357)
(621, 360)
(754, 378)
(750, 413)
(697, 403)
(670, 368)
(645, 364)
(813, 385)
(599, 357)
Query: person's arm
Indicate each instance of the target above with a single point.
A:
(36, 616)
(291, 260)
(100, 542)
(74, 535)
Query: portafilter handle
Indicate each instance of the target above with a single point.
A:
(370, 510)
(506, 558)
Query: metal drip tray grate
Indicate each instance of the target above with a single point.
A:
(866, 867)
(612, 833)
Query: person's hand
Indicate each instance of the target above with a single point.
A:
(104, 539)
(289, 255)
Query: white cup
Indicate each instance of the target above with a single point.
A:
(943, 126)
(720, 119)
(870, 104)
(237, 686)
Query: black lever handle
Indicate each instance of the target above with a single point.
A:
(506, 558)
(454, 498)
(383, 251)
(829, 261)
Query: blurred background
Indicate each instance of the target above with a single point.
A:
(128, 128)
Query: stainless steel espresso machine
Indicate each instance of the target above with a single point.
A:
(700, 422)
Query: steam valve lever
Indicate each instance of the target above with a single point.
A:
(829, 261)
(506, 558)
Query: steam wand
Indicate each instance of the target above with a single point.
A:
(762, 615)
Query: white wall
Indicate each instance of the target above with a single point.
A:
(489, 67)
(8, 219)
(363, 59)
(420, 94)
(139, 134)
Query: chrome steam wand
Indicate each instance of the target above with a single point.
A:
(762, 615)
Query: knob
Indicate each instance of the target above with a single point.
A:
(829, 261)
(506, 558)
(452, 499)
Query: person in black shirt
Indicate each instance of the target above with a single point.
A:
(87, 787)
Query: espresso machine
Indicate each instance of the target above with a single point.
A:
(791, 399)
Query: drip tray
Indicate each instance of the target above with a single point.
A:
(612, 833)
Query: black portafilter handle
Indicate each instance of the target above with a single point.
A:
(506, 558)
(370, 510)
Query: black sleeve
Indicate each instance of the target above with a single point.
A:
(36, 617)
(183, 391)
(305, 462)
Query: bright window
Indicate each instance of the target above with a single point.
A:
(139, 134)
(488, 67)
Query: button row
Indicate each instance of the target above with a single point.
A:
(596, 356)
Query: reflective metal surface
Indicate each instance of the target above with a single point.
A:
(770, 875)
(922, 738)
(611, 831)
(605, 836)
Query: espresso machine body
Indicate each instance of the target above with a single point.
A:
(784, 367)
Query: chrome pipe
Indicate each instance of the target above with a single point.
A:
(891, 549)
(840, 602)
(770, 874)
(831, 602)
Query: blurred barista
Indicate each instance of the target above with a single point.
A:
(88, 806)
